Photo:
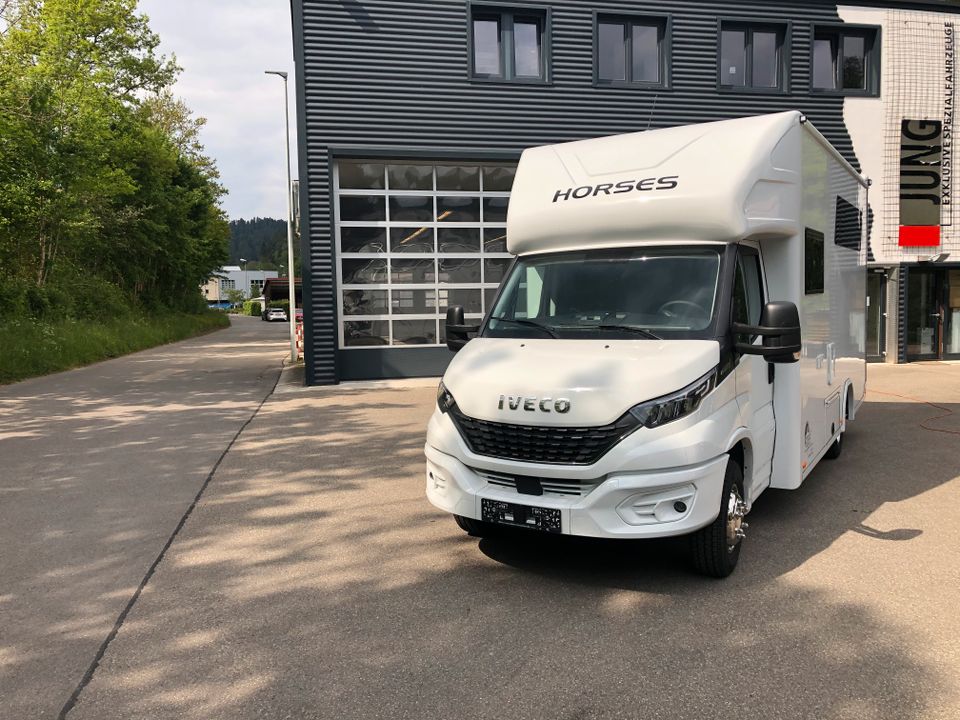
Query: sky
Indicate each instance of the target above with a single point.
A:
(224, 46)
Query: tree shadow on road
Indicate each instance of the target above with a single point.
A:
(315, 581)
(97, 465)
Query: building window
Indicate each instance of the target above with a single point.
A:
(427, 235)
(509, 44)
(846, 60)
(631, 50)
(753, 57)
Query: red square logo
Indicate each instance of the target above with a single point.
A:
(919, 235)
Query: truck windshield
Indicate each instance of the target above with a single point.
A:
(640, 293)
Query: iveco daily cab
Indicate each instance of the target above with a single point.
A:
(682, 328)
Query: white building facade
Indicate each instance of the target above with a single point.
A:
(233, 277)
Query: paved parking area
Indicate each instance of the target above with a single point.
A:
(314, 580)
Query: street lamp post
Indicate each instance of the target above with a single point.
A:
(291, 281)
(246, 285)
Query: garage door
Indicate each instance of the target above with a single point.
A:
(413, 238)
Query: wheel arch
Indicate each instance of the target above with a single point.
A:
(740, 448)
(849, 403)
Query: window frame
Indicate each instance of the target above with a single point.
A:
(784, 29)
(872, 71)
(665, 25)
(506, 12)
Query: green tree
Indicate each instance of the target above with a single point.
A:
(71, 70)
(102, 172)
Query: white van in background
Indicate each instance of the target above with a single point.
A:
(682, 328)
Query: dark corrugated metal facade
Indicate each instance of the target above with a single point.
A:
(387, 74)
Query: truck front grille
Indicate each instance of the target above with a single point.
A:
(556, 445)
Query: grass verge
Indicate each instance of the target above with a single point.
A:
(29, 348)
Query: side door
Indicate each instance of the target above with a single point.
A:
(754, 375)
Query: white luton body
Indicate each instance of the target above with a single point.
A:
(683, 327)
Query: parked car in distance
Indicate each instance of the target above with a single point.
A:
(276, 314)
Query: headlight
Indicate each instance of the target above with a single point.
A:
(445, 400)
(668, 408)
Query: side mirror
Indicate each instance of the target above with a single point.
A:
(780, 329)
(456, 330)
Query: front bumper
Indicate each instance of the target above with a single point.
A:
(637, 504)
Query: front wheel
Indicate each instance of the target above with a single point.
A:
(475, 528)
(715, 549)
(836, 447)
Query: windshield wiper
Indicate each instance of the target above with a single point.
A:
(529, 323)
(629, 328)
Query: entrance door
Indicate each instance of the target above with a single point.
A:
(876, 315)
(924, 316)
(951, 315)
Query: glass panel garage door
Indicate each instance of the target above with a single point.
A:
(413, 238)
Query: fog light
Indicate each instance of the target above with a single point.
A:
(657, 505)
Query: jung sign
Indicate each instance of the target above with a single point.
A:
(921, 185)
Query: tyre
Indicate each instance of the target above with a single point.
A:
(835, 448)
(475, 528)
(715, 549)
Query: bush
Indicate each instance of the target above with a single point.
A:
(255, 309)
(38, 304)
(282, 304)
(97, 299)
(13, 299)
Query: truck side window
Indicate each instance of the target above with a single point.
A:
(747, 289)
(529, 291)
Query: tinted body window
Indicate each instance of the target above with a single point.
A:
(813, 262)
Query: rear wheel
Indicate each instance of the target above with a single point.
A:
(715, 549)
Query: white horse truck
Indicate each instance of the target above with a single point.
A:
(682, 328)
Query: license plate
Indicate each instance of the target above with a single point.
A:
(535, 518)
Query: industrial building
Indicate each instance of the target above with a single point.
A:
(412, 116)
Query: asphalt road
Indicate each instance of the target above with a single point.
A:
(315, 581)
(97, 466)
